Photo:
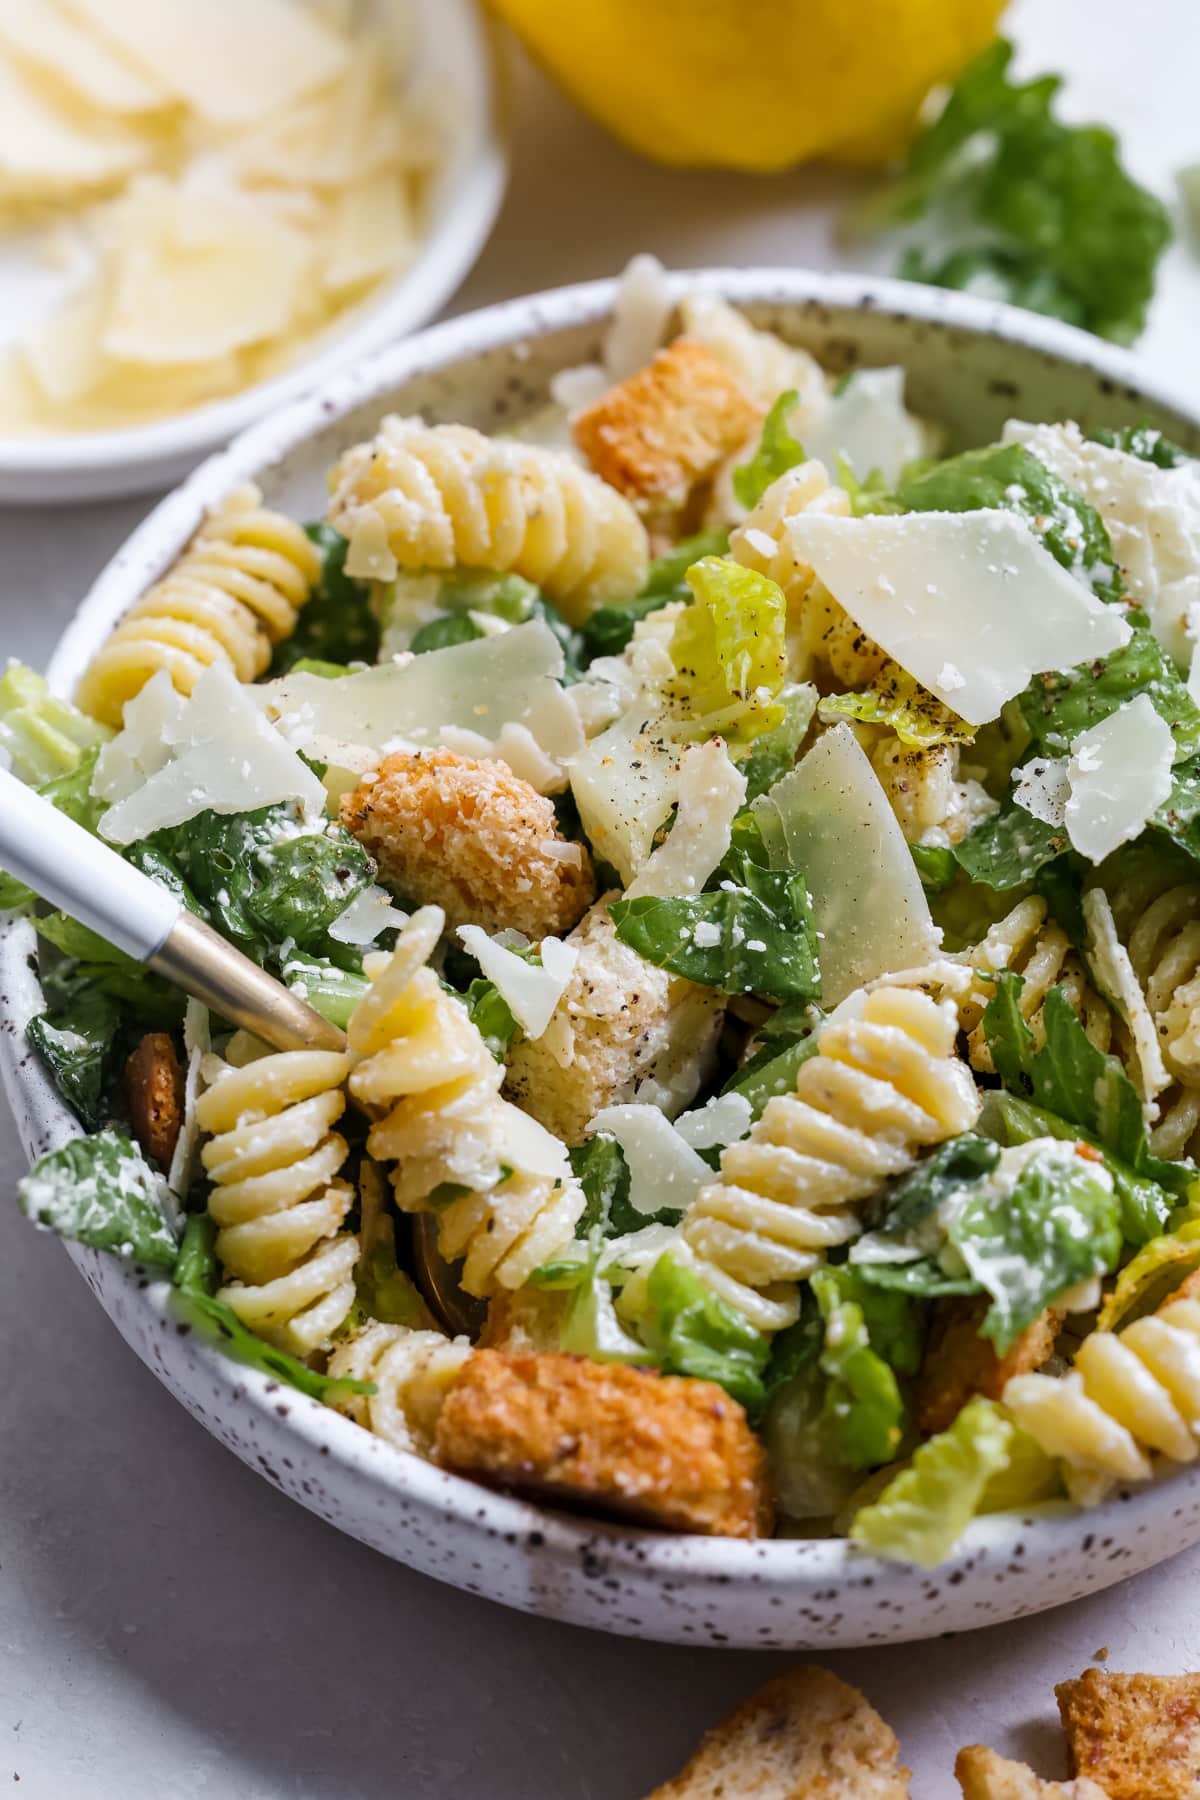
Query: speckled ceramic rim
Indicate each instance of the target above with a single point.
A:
(464, 199)
(811, 1578)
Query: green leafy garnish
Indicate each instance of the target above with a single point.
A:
(1065, 229)
(101, 1191)
(960, 1162)
(1008, 849)
(491, 1013)
(925, 1509)
(599, 1166)
(785, 1043)
(1145, 442)
(936, 865)
(693, 1332)
(153, 1002)
(870, 1337)
(730, 651)
(777, 452)
(337, 624)
(196, 1275)
(751, 935)
(1059, 705)
(77, 1043)
(897, 700)
(42, 735)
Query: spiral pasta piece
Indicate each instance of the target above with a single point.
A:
(1131, 1394)
(498, 1182)
(882, 1086)
(236, 591)
(1028, 942)
(421, 496)
(277, 1199)
(411, 1370)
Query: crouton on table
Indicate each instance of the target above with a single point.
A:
(982, 1775)
(958, 1363)
(154, 1090)
(466, 834)
(805, 1734)
(663, 1450)
(620, 1022)
(1138, 1736)
(657, 434)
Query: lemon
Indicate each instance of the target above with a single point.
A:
(753, 84)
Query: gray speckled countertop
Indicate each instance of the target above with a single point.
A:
(169, 1624)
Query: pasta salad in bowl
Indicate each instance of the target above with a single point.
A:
(725, 751)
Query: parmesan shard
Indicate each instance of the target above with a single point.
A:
(530, 992)
(1114, 975)
(664, 1170)
(711, 792)
(43, 34)
(48, 152)
(830, 819)
(229, 60)
(373, 232)
(1120, 774)
(970, 603)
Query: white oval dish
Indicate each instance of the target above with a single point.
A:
(971, 364)
(458, 55)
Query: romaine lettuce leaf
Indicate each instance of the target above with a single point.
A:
(1008, 849)
(1145, 442)
(777, 452)
(337, 624)
(599, 1166)
(899, 702)
(730, 652)
(906, 1201)
(775, 752)
(101, 1191)
(1156, 1271)
(78, 1045)
(751, 935)
(871, 1336)
(42, 735)
(1060, 705)
(329, 989)
(923, 1512)
(690, 1331)
(491, 1013)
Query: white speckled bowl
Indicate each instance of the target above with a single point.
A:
(972, 365)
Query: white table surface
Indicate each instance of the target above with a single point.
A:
(172, 1626)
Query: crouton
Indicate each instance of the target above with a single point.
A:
(802, 1735)
(154, 1090)
(657, 434)
(958, 1363)
(469, 836)
(982, 1775)
(1137, 1735)
(620, 1022)
(663, 1450)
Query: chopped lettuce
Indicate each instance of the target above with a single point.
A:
(491, 1013)
(101, 1191)
(1056, 222)
(936, 866)
(607, 631)
(784, 1044)
(777, 452)
(337, 624)
(730, 652)
(599, 1166)
(328, 988)
(690, 1331)
(1060, 705)
(196, 1274)
(462, 598)
(42, 736)
(906, 1201)
(148, 1001)
(1011, 478)
(871, 1336)
(1070, 1078)
(925, 1509)
(752, 934)
(897, 700)
(1156, 1271)
(77, 1044)
(1145, 442)
(775, 752)
(1008, 849)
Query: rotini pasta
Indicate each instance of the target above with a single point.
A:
(881, 1087)
(928, 796)
(411, 1370)
(234, 593)
(423, 496)
(1040, 951)
(1130, 1394)
(279, 1206)
(498, 1182)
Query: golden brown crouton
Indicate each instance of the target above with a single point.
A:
(1137, 1735)
(469, 836)
(958, 1363)
(982, 1775)
(661, 1449)
(657, 434)
(619, 1022)
(154, 1089)
(804, 1736)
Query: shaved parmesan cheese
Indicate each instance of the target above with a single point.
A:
(625, 783)
(1152, 516)
(830, 818)
(367, 915)
(865, 424)
(531, 993)
(1114, 976)
(641, 312)
(227, 759)
(373, 232)
(47, 151)
(481, 686)
(197, 1042)
(63, 350)
(514, 745)
(43, 34)
(199, 274)
(1042, 788)
(149, 733)
(722, 1120)
(519, 1142)
(1120, 773)
(711, 792)
(970, 603)
(664, 1170)
(229, 60)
